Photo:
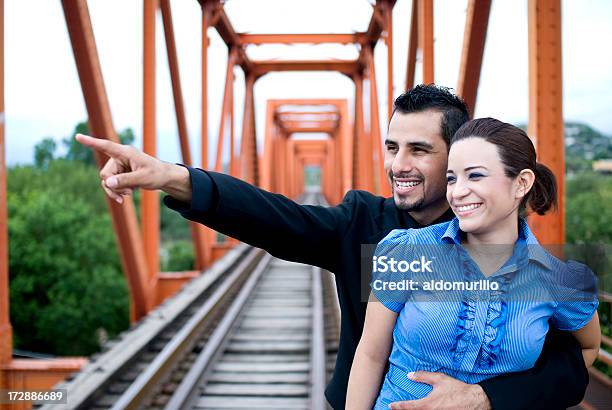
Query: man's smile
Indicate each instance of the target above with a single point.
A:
(404, 186)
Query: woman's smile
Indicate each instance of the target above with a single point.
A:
(468, 209)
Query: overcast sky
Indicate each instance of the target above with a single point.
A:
(43, 96)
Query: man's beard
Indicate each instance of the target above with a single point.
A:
(409, 207)
(402, 204)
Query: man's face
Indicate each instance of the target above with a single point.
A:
(415, 160)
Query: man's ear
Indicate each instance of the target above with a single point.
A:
(524, 181)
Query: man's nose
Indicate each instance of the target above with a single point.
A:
(402, 163)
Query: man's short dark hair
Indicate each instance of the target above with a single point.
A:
(433, 97)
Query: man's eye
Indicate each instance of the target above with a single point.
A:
(391, 148)
(450, 179)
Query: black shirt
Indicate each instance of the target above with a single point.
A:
(331, 238)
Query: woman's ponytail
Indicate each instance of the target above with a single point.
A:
(543, 194)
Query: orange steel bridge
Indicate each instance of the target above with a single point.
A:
(349, 158)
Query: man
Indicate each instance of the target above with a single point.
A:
(416, 148)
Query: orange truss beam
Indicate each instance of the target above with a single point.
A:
(258, 39)
(413, 40)
(101, 126)
(304, 115)
(175, 79)
(309, 124)
(198, 231)
(362, 168)
(6, 331)
(388, 15)
(347, 67)
(546, 107)
(206, 12)
(150, 199)
(226, 108)
(248, 147)
(381, 186)
(475, 34)
(426, 38)
(222, 24)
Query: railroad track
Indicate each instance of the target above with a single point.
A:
(269, 351)
(253, 330)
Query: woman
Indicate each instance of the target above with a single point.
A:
(474, 332)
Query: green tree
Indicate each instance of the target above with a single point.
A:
(172, 225)
(180, 257)
(66, 284)
(587, 217)
(44, 152)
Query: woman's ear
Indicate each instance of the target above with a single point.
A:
(524, 181)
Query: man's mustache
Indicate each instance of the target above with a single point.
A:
(419, 177)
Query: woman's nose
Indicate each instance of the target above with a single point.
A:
(460, 189)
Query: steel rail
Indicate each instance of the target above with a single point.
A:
(199, 372)
(144, 386)
(318, 374)
(119, 355)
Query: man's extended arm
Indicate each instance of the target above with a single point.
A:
(302, 233)
(557, 381)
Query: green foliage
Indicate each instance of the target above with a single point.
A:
(66, 177)
(44, 152)
(588, 218)
(172, 225)
(583, 141)
(180, 257)
(67, 288)
(76, 151)
(66, 283)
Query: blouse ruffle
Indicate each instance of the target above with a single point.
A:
(497, 313)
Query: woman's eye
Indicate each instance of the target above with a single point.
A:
(450, 179)
(475, 175)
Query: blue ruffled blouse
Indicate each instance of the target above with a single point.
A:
(473, 332)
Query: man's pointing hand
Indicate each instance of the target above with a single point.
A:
(129, 169)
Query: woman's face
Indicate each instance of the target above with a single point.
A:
(478, 190)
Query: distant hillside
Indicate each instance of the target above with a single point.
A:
(583, 145)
